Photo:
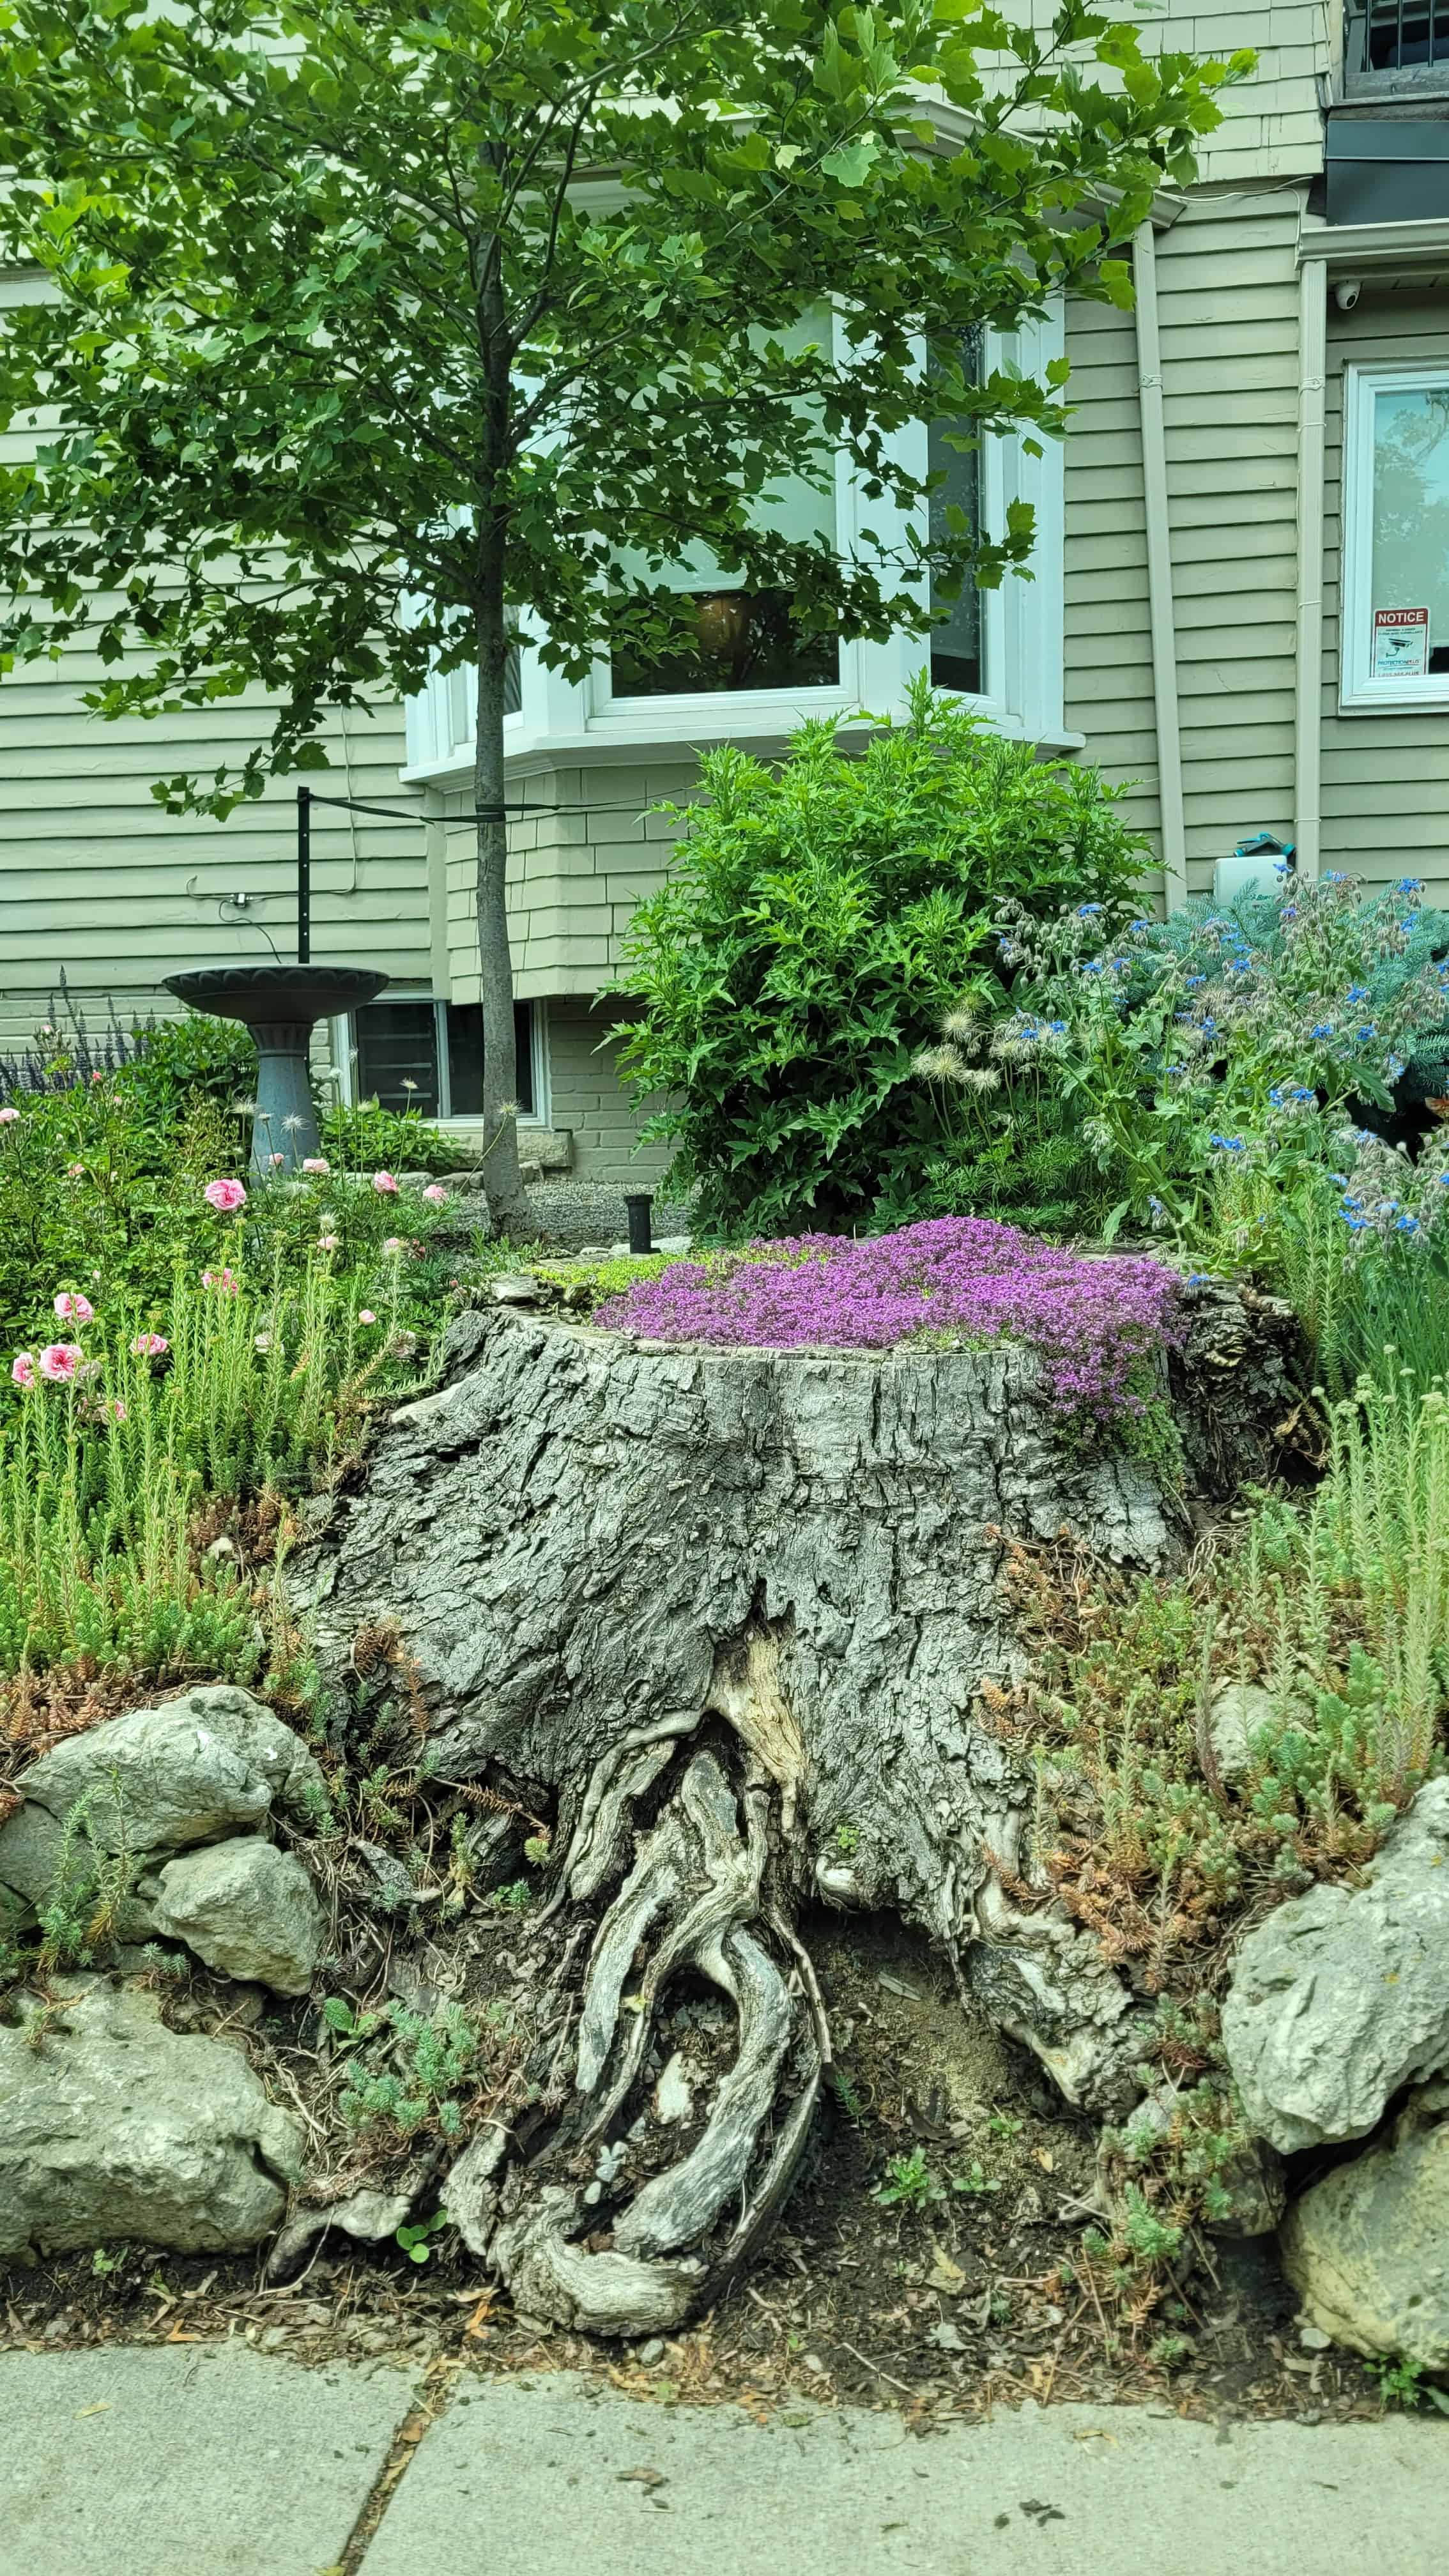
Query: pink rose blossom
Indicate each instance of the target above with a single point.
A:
(75, 1171)
(385, 1185)
(72, 1308)
(224, 1196)
(59, 1361)
(327, 1242)
(22, 1368)
(394, 1243)
(98, 1077)
(276, 1161)
(438, 1196)
(226, 1280)
(365, 1315)
(150, 1346)
(8, 1116)
(315, 1163)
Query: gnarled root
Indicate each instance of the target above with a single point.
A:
(697, 2048)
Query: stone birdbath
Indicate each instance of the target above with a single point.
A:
(281, 1005)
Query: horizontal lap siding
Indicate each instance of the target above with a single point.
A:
(1227, 311)
(1108, 639)
(1228, 308)
(96, 880)
(588, 1098)
(1385, 797)
(574, 877)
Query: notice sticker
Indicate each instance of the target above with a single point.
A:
(1401, 643)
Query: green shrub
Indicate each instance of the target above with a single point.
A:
(369, 1138)
(177, 1062)
(819, 921)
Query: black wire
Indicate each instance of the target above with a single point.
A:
(487, 814)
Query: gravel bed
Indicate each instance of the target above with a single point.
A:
(568, 1213)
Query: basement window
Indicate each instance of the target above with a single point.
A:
(416, 1053)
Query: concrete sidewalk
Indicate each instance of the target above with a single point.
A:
(216, 2461)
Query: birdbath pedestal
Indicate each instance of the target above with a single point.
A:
(281, 1005)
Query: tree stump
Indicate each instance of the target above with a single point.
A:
(731, 1612)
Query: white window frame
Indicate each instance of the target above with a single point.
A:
(1359, 692)
(1022, 630)
(344, 1060)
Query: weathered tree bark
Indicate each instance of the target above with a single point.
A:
(732, 1611)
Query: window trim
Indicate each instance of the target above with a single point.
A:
(343, 1035)
(1023, 639)
(1358, 692)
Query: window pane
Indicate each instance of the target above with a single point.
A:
(956, 655)
(397, 1056)
(465, 1057)
(743, 639)
(1410, 606)
(746, 639)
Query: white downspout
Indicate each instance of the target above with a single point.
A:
(1159, 571)
(1308, 673)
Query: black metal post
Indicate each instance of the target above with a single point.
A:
(637, 1207)
(304, 875)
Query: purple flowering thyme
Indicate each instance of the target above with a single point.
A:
(1094, 1322)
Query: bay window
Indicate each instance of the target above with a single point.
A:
(745, 670)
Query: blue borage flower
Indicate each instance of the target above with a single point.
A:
(1323, 1030)
(1193, 982)
(1228, 1144)
(1085, 911)
(1407, 1225)
(1357, 993)
(1409, 885)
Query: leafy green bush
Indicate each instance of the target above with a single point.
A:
(177, 1062)
(819, 921)
(369, 1138)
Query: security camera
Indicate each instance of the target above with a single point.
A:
(1346, 294)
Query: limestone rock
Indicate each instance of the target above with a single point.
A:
(1342, 1996)
(113, 2127)
(157, 1779)
(1367, 2249)
(246, 1909)
(1239, 1712)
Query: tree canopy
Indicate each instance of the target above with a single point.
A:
(368, 328)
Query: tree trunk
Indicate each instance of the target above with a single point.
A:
(502, 1186)
(728, 1614)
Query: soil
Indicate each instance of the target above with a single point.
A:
(969, 2294)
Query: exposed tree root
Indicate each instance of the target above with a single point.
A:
(733, 1613)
